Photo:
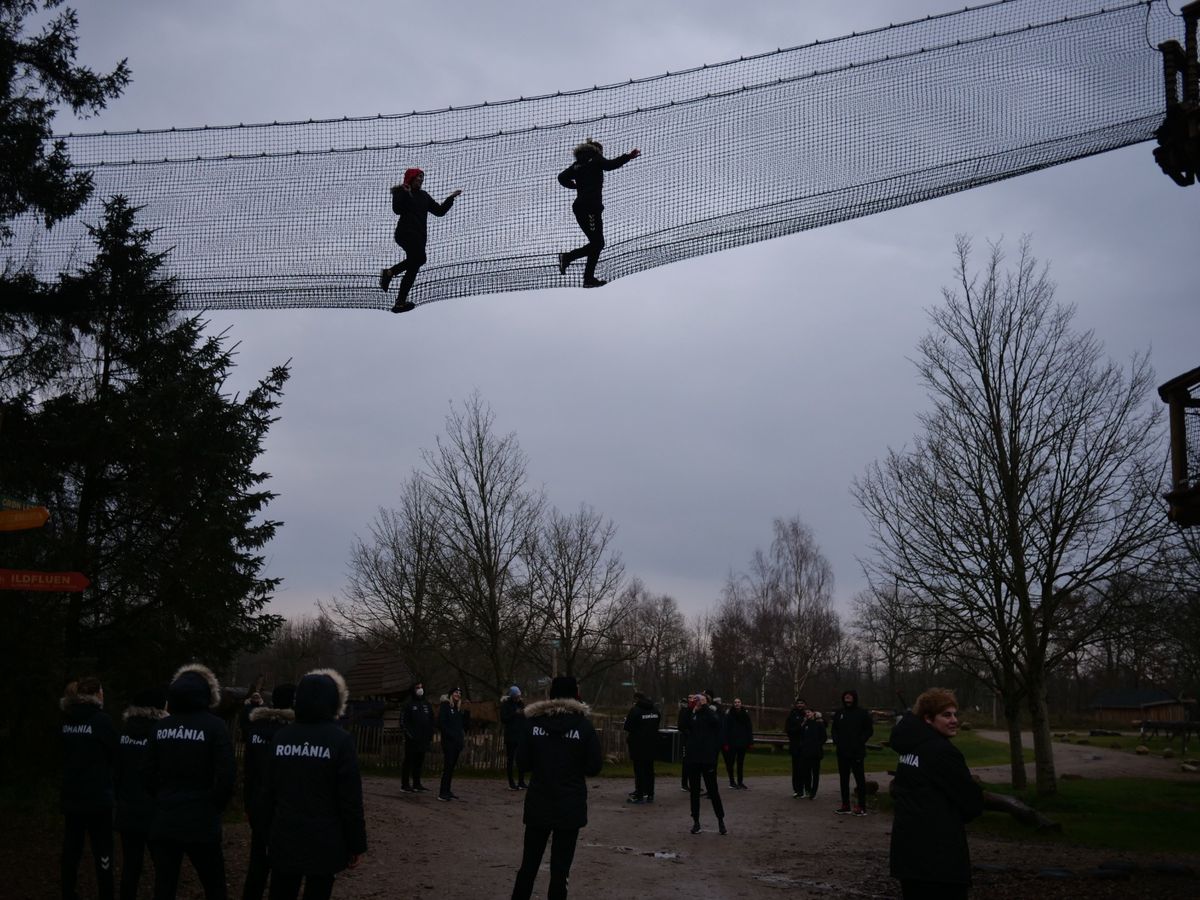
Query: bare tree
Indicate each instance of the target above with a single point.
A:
(1033, 480)
(808, 624)
(488, 517)
(577, 577)
(390, 597)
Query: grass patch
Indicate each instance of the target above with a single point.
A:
(1131, 814)
(1130, 741)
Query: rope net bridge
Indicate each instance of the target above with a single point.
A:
(298, 214)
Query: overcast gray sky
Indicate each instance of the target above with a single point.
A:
(691, 404)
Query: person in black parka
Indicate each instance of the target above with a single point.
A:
(792, 728)
(561, 749)
(684, 723)
(135, 804)
(641, 725)
(703, 741)
(852, 728)
(512, 719)
(934, 797)
(413, 206)
(261, 727)
(89, 748)
(191, 772)
(452, 723)
(585, 176)
(812, 750)
(312, 806)
(737, 739)
(417, 721)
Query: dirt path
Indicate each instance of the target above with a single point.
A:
(1089, 761)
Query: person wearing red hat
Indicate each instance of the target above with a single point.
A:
(413, 206)
(585, 176)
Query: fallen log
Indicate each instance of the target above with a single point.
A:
(1022, 812)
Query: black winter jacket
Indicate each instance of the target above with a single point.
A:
(312, 807)
(135, 804)
(739, 729)
(793, 727)
(417, 721)
(642, 724)
(561, 749)
(512, 716)
(934, 798)
(586, 177)
(89, 748)
(256, 756)
(413, 208)
(703, 736)
(452, 723)
(812, 739)
(191, 769)
(852, 728)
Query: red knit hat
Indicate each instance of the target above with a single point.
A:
(410, 174)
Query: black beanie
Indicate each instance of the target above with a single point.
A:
(564, 686)
(283, 696)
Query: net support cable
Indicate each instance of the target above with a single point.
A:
(298, 214)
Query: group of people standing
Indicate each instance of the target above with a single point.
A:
(413, 206)
(171, 771)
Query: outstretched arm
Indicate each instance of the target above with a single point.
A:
(440, 209)
(617, 161)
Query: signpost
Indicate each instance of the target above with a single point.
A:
(22, 580)
(22, 518)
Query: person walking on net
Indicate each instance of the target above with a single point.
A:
(585, 176)
(413, 206)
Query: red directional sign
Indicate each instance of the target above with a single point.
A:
(23, 518)
(20, 580)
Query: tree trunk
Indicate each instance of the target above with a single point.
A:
(1043, 748)
(1016, 754)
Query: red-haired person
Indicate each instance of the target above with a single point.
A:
(934, 797)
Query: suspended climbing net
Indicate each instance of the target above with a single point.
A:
(298, 214)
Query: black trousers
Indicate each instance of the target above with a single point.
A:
(592, 225)
(643, 776)
(696, 772)
(133, 859)
(286, 886)
(510, 751)
(797, 774)
(846, 767)
(450, 753)
(410, 768)
(810, 774)
(735, 758)
(414, 258)
(911, 889)
(259, 868)
(562, 854)
(98, 827)
(206, 859)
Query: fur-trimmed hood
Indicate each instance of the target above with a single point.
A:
(559, 706)
(71, 698)
(150, 713)
(193, 688)
(271, 714)
(321, 694)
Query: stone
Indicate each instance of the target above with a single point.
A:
(1141, 750)
(1186, 767)
(1168, 753)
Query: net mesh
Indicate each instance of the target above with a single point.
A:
(298, 214)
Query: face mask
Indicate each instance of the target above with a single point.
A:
(420, 692)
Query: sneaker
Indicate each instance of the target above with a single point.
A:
(563, 262)
(843, 810)
(649, 798)
(403, 306)
(633, 794)
(859, 811)
(445, 798)
(636, 801)
(594, 282)
(385, 279)
(696, 827)
(686, 790)
(721, 826)
(405, 789)
(513, 787)
(454, 796)
(742, 787)
(796, 796)
(812, 796)
(522, 786)
(420, 788)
